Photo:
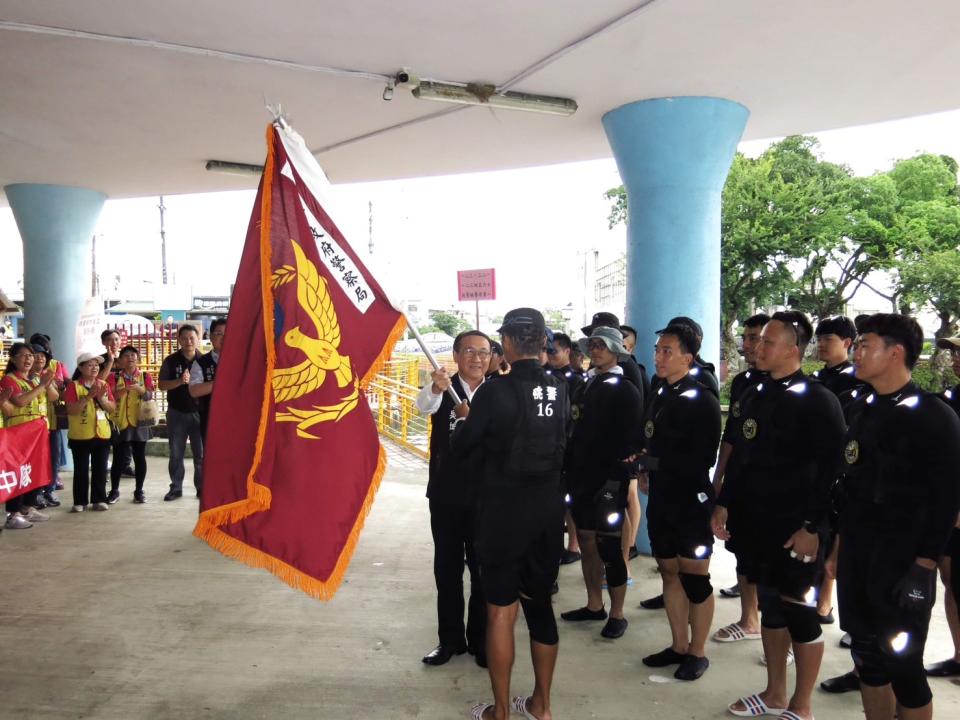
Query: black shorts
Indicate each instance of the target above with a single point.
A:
(680, 529)
(519, 543)
(867, 573)
(762, 558)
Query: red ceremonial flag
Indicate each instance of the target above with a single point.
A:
(24, 458)
(293, 459)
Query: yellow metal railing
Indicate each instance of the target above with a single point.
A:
(392, 395)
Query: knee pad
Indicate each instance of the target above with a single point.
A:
(611, 553)
(541, 622)
(802, 622)
(771, 608)
(697, 587)
(870, 662)
(909, 683)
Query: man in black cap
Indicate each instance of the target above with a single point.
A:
(835, 338)
(748, 626)
(901, 494)
(632, 370)
(607, 412)
(774, 503)
(515, 432)
(452, 495)
(681, 432)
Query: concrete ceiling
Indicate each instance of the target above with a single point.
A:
(133, 121)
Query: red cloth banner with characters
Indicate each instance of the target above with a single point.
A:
(24, 458)
(293, 458)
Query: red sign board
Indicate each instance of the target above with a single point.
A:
(477, 284)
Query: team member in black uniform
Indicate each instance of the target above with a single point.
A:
(559, 362)
(776, 496)
(901, 494)
(681, 432)
(748, 626)
(835, 338)
(497, 364)
(633, 371)
(516, 432)
(607, 413)
(950, 562)
(452, 495)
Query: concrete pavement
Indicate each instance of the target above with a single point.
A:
(125, 615)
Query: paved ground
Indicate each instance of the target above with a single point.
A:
(125, 615)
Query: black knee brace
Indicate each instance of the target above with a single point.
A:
(870, 662)
(611, 553)
(697, 587)
(541, 622)
(802, 622)
(771, 608)
(904, 673)
(909, 683)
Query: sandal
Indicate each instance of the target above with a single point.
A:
(734, 632)
(790, 658)
(791, 715)
(520, 706)
(755, 706)
(477, 711)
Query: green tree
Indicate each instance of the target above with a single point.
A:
(448, 322)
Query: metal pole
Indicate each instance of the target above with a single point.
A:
(477, 303)
(163, 242)
(433, 361)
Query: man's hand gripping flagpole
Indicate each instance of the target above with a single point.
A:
(433, 361)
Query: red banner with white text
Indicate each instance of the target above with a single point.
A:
(24, 459)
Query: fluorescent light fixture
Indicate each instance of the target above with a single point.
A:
(233, 168)
(476, 94)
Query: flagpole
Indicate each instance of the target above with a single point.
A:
(431, 358)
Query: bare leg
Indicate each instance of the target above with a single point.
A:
(617, 596)
(776, 644)
(500, 654)
(626, 541)
(592, 568)
(749, 608)
(878, 702)
(676, 603)
(701, 614)
(544, 660)
(924, 713)
(573, 544)
(635, 515)
(950, 606)
(808, 658)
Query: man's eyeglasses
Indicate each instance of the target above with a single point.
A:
(474, 353)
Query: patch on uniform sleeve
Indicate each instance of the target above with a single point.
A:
(851, 453)
(749, 428)
(648, 429)
(575, 412)
(735, 409)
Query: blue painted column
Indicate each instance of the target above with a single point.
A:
(674, 155)
(56, 226)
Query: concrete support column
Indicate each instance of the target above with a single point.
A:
(56, 225)
(674, 155)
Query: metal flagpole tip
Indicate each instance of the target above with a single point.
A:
(278, 115)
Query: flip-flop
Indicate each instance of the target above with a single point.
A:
(755, 706)
(790, 658)
(477, 711)
(520, 706)
(735, 632)
(791, 715)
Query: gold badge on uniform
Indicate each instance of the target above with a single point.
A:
(852, 452)
(648, 429)
(575, 412)
(735, 409)
(749, 428)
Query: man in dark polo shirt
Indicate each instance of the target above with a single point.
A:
(204, 372)
(183, 415)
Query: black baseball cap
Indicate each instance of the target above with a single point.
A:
(688, 322)
(601, 319)
(523, 318)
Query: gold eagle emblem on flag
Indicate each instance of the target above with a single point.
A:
(321, 352)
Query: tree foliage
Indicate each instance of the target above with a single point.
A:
(448, 322)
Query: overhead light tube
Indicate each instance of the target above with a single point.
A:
(233, 168)
(486, 95)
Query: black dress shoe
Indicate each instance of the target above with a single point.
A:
(944, 668)
(569, 556)
(173, 495)
(731, 592)
(826, 619)
(664, 658)
(692, 668)
(848, 682)
(51, 498)
(441, 655)
(654, 603)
